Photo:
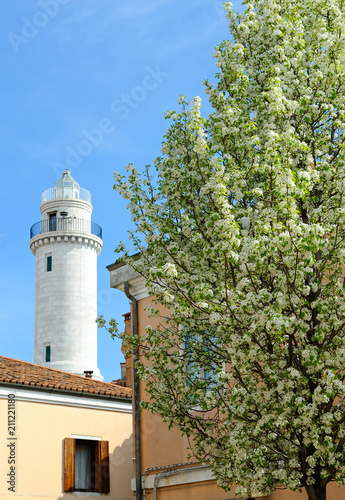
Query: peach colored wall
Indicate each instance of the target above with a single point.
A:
(203, 491)
(195, 491)
(160, 446)
(41, 429)
(333, 493)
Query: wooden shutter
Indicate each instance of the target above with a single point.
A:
(104, 467)
(69, 469)
(97, 472)
(102, 483)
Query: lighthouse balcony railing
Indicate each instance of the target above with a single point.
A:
(72, 224)
(56, 193)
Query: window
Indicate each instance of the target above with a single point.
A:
(48, 351)
(52, 222)
(86, 465)
(49, 263)
(199, 359)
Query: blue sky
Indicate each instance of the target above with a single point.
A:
(71, 67)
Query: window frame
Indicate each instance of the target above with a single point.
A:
(47, 353)
(100, 483)
(49, 263)
(200, 372)
(52, 221)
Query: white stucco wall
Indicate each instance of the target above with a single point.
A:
(66, 306)
(74, 208)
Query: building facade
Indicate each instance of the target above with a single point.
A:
(165, 472)
(62, 435)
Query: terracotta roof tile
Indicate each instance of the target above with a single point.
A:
(18, 372)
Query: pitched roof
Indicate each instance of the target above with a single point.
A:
(13, 371)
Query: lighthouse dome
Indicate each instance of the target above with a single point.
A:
(66, 186)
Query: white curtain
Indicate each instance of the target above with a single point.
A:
(82, 467)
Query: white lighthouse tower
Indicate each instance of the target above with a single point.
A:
(66, 244)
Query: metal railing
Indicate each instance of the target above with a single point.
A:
(66, 192)
(66, 224)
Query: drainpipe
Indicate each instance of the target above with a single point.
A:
(152, 469)
(136, 399)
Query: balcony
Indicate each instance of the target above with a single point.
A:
(68, 224)
(57, 193)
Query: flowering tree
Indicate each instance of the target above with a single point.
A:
(241, 234)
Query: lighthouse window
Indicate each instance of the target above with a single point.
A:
(49, 262)
(48, 351)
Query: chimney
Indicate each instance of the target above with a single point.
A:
(123, 371)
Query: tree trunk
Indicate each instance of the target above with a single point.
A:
(316, 492)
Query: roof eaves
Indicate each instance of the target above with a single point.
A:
(121, 262)
(67, 391)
